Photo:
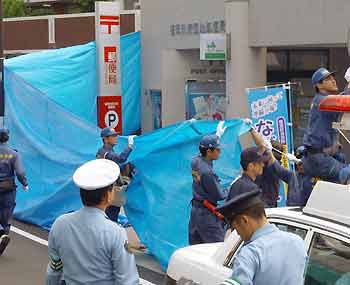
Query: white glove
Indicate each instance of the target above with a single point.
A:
(292, 157)
(220, 129)
(267, 145)
(347, 75)
(131, 140)
(248, 121)
(25, 188)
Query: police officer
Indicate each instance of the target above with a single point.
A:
(273, 174)
(10, 165)
(109, 137)
(85, 247)
(205, 225)
(320, 139)
(252, 163)
(268, 255)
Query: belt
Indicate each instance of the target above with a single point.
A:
(7, 185)
(211, 207)
(197, 202)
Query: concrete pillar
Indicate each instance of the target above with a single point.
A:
(173, 72)
(247, 67)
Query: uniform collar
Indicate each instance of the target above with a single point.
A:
(265, 230)
(93, 210)
(247, 176)
(108, 146)
(210, 162)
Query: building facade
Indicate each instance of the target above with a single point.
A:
(270, 41)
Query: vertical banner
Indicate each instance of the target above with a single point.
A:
(107, 26)
(270, 115)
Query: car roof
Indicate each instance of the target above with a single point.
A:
(297, 215)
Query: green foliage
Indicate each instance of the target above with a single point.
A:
(13, 8)
(85, 6)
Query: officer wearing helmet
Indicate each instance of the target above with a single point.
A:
(10, 166)
(205, 225)
(85, 247)
(109, 137)
(320, 139)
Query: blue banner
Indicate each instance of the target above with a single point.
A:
(269, 113)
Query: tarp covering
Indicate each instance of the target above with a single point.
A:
(54, 137)
(68, 77)
(159, 197)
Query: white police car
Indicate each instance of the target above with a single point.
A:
(324, 224)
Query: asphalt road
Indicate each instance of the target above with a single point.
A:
(25, 260)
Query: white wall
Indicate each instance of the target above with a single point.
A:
(157, 43)
(298, 22)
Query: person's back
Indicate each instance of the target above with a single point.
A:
(85, 247)
(90, 239)
(274, 253)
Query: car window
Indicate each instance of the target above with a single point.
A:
(329, 261)
(292, 229)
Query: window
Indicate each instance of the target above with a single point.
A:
(292, 229)
(329, 261)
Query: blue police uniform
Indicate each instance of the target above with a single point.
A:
(320, 136)
(204, 226)
(270, 256)
(107, 152)
(85, 247)
(269, 182)
(241, 185)
(10, 166)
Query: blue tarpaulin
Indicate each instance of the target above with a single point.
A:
(54, 138)
(68, 77)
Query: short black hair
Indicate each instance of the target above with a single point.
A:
(203, 150)
(4, 137)
(93, 198)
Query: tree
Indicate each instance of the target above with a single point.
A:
(85, 6)
(14, 8)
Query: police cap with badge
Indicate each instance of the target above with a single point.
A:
(108, 132)
(96, 174)
(210, 141)
(239, 204)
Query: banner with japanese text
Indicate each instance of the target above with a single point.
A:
(269, 112)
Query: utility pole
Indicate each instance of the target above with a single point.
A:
(2, 91)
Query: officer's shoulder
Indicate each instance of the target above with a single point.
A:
(62, 220)
(249, 252)
(112, 227)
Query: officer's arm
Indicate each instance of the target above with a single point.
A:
(244, 267)
(123, 262)
(258, 139)
(211, 184)
(19, 170)
(289, 177)
(54, 273)
(118, 158)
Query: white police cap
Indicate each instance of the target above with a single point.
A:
(96, 174)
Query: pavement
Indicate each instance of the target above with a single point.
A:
(25, 259)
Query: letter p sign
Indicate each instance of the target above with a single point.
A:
(111, 119)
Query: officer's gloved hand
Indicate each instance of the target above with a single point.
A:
(248, 122)
(267, 145)
(293, 158)
(131, 141)
(25, 188)
(220, 129)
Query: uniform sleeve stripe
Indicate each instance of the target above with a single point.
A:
(56, 265)
(230, 282)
